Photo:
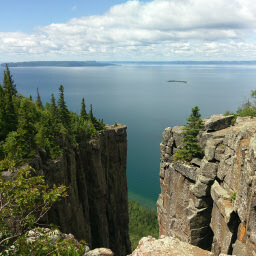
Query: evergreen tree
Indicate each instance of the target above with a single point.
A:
(53, 107)
(55, 117)
(30, 97)
(191, 147)
(26, 126)
(21, 144)
(8, 82)
(96, 123)
(8, 113)
(64, 113)
(91, 117)
(2, 124)
(38, 100)
(83, 113)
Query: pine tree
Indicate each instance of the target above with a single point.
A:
(83, 113)
(20, 144)
(91, 117)
(53, 107)
(38, 100)
(64, 113)
(191, 148)
(8, 82)
(8, 113)
(96, 123)
(2, 124)
(26, 126)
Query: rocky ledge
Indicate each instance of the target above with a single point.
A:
(211, 202)
(167, 246)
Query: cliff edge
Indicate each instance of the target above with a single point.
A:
(96, 209)
(211, 202)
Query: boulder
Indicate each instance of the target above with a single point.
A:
(167, 246)
(166, 135)
(186, 170)
(100, 252)
(196, 162)
(217, 122)
(177, 135)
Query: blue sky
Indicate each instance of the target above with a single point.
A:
(127, 30)
(27, 14)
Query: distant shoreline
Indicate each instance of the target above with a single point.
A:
(58, 64)
(118, 63)
(253, 62)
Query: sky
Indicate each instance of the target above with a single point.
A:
(104, 30)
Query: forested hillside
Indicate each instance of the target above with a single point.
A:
(27, 126)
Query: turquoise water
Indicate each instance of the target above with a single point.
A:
(140, 97)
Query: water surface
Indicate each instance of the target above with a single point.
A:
(139, 96)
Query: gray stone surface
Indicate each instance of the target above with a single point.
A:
(167, 246)
(210, 148)
(208, 169)
(186, 170)
(239, 249)
(177, 135)
(196, 162)
(217, 122)
(220, 195)
(100, 252)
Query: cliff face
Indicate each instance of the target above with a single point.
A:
(96, 209)
(211, 202)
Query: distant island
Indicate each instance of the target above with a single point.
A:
(177, 81)
(58, 64)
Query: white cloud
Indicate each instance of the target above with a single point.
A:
(161, 29)
(74, 8)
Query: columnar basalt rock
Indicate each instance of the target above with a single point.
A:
(96, 209)
(211, 202)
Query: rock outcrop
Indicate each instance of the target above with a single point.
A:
(167, 246)
(211, 202)
(96, 209)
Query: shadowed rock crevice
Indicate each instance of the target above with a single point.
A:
(233, 226)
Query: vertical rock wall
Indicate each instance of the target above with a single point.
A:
(211, 202)
(96, 209)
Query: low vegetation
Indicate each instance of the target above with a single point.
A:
(248, 108)
(142, 222)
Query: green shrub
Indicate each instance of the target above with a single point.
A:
(25, 199)
(228, 113)
(233, 196)
(248, 108)
(45, 241)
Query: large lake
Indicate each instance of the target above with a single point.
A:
(139, 96)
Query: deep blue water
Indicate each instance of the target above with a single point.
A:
(139, 96)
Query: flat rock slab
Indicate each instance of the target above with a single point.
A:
(217, 122)
(186, 170)
(167, 246)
